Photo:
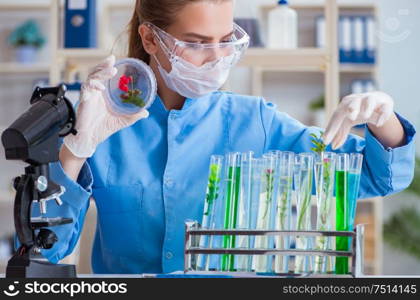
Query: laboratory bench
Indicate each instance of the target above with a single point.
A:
(238, 275)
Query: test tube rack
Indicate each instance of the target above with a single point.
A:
(193, 231)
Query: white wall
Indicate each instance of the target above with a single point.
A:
(399, 69)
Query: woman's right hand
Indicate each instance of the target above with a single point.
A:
(95, 122)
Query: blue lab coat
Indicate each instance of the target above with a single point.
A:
(148, 179)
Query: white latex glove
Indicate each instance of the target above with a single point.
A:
(95, 121)
(374, 108)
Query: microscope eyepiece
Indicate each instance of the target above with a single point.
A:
(34, 136)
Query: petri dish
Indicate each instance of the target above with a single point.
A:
(133, 88)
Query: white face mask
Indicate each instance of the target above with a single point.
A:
(193, 82)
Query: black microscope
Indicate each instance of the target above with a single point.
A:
(34, 138)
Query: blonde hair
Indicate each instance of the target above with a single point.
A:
(161, 13)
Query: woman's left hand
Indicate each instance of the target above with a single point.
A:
(374, 108)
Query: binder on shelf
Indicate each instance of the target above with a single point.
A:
(360, 86)
(73, 91)
(320, 32)
(345, 39)
(370, 86)
(359, 45)
(370, 50)
(357, 87)
(80, 24)
(356, 36)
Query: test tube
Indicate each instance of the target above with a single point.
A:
(216, 242)
(258, 165)
(324, 187)
(355, 170)
(242, 262)
(304, 167)
(212, 196)
(275, 157)
(342, 210)
(266, 198)
(232, 183)
(283, 208)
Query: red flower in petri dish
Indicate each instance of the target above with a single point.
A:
(132, 95)
(123, 83)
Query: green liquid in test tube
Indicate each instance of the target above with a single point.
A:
(342, 211)
(231, 207)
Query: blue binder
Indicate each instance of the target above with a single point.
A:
(345, 39)
(370, 51)
(359, 45)
(80, 24)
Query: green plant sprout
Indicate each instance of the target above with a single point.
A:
(319, 148)
(318, 143)
(305, 205)
(133, 97)
(269, 175)
(282, 205)
(324, 191)
(213, 188)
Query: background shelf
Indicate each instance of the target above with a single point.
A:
(310, 63)
(297, 59)
(18, 68)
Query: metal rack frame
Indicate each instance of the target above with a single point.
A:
(356, 252)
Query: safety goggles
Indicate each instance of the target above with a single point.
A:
(233, 48)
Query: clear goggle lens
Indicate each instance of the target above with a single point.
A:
(233, 48)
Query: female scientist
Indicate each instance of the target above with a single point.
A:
(148, 173)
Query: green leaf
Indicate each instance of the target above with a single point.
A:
(318, 143)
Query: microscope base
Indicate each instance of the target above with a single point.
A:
(39, 269)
